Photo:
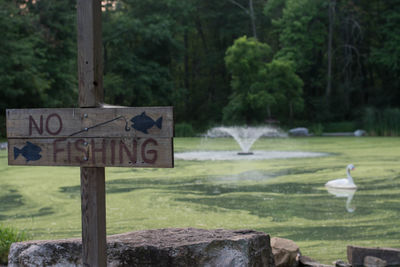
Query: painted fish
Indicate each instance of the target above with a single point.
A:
(143, 122)
(29, 151)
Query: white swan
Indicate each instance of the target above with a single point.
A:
(345, 183)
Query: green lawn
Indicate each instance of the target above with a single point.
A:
(285, 197)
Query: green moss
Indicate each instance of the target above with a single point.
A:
(284, 197)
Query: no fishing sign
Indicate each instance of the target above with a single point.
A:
(91, 137)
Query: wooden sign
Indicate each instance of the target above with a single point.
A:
(91, 137)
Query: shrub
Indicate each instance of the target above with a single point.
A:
(383, 123)
(369, 120)
(342, 126)
(317, 129)
(8, 235)
(184, 130)
(391, 122)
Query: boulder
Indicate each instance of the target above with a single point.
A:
(162, 247)
(305, 261)
(3, 146)
(286, 252)
(299, 132)
(356, 255)
(359, 133)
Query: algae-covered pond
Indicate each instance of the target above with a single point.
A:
(282, 197)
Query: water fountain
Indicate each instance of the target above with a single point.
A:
(245, 138)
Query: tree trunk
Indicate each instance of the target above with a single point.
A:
(186, 60)
(199, 29)
(251, 14)
(291, 115)
(252, 18)
(328, 90)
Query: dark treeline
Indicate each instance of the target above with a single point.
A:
(301, 62)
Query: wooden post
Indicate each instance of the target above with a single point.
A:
(90, 68)
(94, 244)
(90, 58)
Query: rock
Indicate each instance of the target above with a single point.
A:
(340, 263)
(299, 131)
(370, 261)
(305, 261)
(360, 133)
(162, 247)
(356, 255)
(285, 252)
(3, 146)
(65, 252)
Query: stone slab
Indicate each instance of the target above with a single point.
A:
(161, 247)
(356, 255)
(305, 261)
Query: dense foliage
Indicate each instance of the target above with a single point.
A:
(230, 61)
(260, 87)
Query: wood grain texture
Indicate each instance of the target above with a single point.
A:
(90, 76)
(93, 152)
(99, 122)
(94, 249)
(90, 57)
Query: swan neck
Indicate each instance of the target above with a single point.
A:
(349, 176)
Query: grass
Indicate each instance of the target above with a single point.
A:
(8, 235)
(285, 197)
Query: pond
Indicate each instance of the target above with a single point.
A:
(283, 197)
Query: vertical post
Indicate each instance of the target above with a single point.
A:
(90, 68)
(94, 245)
(90, 57)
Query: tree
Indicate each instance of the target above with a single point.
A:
(139, 44)
(245, 60)
(287, 87)
(302, 30)
(22, 84)
(259, 86)
(214, 25)
(56, 29)
(384, 59)
(171, 52)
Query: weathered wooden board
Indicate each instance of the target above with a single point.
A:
(91, 93)
(90, 122)
(92, 152)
